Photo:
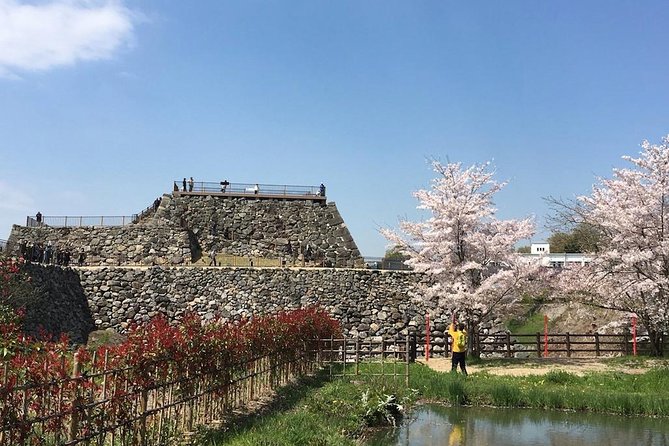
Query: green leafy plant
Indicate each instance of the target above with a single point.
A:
(381, 409)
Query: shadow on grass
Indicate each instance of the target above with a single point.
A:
(283, 399)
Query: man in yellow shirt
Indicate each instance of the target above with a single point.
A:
(458, 346)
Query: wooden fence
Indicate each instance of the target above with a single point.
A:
(112, 407)
(555, 344)
(564, 344)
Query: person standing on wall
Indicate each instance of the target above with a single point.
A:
(212, 256)
(459, 345)
(191, 182)
(184, 184)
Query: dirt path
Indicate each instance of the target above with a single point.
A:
(577, 366)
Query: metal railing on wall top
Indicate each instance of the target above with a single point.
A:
(81, 220)
(225, 187)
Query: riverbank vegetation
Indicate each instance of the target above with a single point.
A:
(323, 412)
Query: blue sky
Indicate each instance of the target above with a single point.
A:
(104, 103)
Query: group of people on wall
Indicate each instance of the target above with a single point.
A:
(35, 252)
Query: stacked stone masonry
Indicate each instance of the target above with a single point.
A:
(288, 229)
(185, 228)
(116, 245)
(368, 303)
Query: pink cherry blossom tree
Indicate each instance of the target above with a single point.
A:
(629, 270)
(465, 250)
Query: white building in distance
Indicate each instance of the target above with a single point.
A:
(542, 252)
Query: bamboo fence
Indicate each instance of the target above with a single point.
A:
(107, 406)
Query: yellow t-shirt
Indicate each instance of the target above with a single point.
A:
(455, 335)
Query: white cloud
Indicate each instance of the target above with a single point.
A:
(40, 36)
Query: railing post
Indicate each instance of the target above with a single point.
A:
(568, 342)
(596, 344)
(538, 344)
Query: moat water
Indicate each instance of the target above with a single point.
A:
(433, 425)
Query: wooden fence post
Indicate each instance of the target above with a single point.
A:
(343, 357)
(73, 427)
(331, 354)
(407, 359)
(597, 344)
(509, 354)
(568, 342)
(626, 341)
(357, 356)
(143, 399)
(413, 348)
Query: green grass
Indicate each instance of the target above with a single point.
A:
(316, 411)
(531, 324)
(322, 412)
(611, 392)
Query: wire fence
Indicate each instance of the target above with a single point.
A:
(227, 188)
(80, 220)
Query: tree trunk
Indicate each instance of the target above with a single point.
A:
(472, 345)
(655, 338)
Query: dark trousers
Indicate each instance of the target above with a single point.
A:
(458, 358)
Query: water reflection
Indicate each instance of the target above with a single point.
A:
(437, 425)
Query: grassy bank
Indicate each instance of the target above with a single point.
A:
(610, 392)
(322, 412)
(314, 411)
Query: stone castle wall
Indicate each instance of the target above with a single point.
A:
(135, 244)
(58, 304)
(184, 228)
(286, 229)
(368, 303)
